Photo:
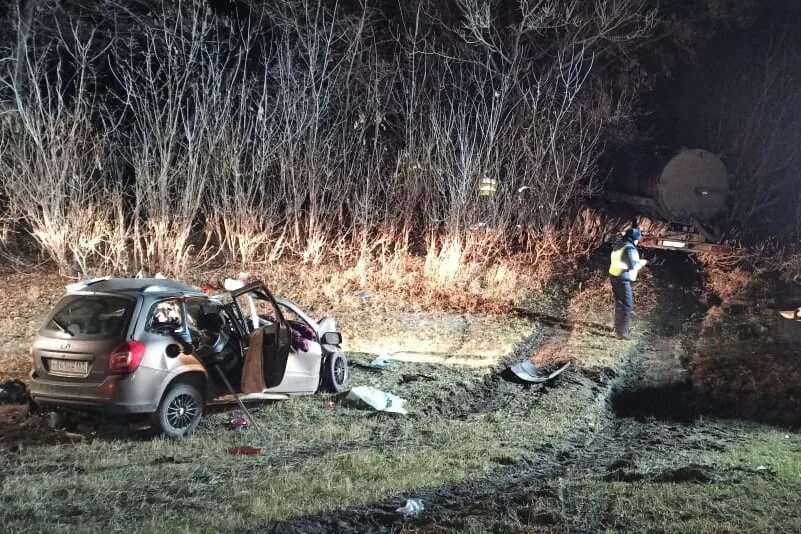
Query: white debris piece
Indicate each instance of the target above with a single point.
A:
(231, 284)
(381, 361)
(377, 399)
(413, 508)
(529, 372)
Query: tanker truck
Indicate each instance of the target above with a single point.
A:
(680, 193)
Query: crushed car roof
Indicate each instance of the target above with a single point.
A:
(133, 285)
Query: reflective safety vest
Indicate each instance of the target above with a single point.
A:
(618, 266)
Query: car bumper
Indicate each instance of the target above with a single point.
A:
(126, 394)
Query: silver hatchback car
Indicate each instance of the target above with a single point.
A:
(159, 347)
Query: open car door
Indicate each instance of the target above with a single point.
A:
(262, 326)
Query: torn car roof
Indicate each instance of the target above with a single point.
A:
(133, 285)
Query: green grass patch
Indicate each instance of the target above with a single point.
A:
(753, 486)
(316, 458)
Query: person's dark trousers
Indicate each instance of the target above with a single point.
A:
(624, 305)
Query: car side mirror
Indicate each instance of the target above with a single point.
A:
(331, 338)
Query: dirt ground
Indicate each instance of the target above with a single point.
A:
(625, 440)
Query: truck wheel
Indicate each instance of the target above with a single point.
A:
(179, 411)
(335, 372)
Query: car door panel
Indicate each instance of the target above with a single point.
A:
(275, 353)
(302, 371)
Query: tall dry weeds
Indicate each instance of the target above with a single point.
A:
(318, 141)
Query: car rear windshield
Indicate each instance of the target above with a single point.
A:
(90, 316)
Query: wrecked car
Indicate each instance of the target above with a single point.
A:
(159, 347)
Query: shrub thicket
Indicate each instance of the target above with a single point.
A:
(158, 136)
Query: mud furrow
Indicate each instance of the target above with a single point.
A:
(499, 493)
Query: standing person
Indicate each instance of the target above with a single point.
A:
(625, 264)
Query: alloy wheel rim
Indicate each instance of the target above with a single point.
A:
(339, 371)
(182, 411)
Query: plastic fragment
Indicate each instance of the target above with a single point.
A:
(413, 508)
(377, 399)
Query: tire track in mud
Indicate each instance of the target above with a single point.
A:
(497, 389)
(503, 492)
(491, 394)
(528, 495)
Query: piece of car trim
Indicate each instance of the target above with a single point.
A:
(527, 371)
(263, 396)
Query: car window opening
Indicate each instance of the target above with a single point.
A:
(90, 316)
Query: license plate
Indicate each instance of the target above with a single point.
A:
(69, 367)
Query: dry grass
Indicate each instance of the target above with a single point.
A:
(743, 364)
(791, 267)
(729, 283)
(402, 282)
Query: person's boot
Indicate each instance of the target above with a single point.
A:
(625, 325)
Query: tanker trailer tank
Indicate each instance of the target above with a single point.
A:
(685, 195)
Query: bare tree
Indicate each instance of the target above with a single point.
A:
(753, 118)
(54, 167)
(172, 92)
(471, 134)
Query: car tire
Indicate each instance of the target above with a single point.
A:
(180, 411)
(335, 372)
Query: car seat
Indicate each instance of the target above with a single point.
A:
(219, 346)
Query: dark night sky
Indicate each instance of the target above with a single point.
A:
(680, 102)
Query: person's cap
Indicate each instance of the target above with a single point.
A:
(634, 234)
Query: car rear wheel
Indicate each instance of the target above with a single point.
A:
(180, 411)
(335, 372)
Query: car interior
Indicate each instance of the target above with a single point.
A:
(218, 345)
(268, 337)
(226, 337)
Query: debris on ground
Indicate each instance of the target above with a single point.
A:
(529, 372)
(413, 508)
(244, 451)
(236, 423)
(377, 399)
(56, 420)
(381, 362)
(13, 392)
(409, 378)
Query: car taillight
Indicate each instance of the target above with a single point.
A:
(126, 358)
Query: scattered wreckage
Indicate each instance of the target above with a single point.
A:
(530, 372)
(157, 346)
